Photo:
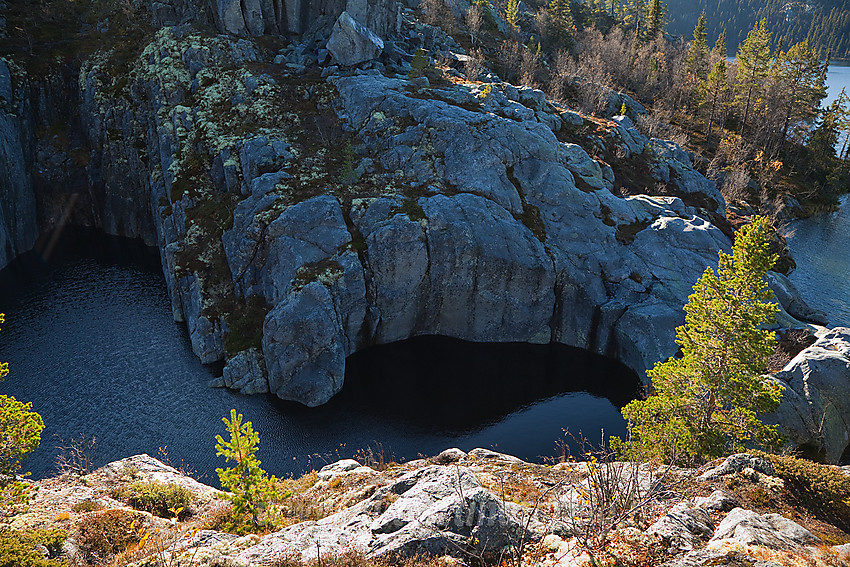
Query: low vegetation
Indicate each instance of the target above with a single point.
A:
(158, 498)
(18, 548)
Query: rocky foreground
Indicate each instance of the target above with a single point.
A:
(473, 508)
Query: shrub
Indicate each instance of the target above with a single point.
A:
(824, 490)
(17, 548)
(155, 497)
(104, 534)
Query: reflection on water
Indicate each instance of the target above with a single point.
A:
(819, 246)
(92, 344)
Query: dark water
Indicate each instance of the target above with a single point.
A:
(819, 245)
(92, 344)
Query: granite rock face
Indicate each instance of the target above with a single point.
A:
(351, 42)
(816, 402)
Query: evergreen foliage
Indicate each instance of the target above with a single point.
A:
(512, 14)
(754, 57)
(706, 402)
(696, 63)
(562, 19)
(654, 19)
(20, 434)
(251, 489)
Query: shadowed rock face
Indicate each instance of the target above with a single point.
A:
(261, 17)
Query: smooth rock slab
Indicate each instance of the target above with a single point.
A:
(769, 530)
(351, 42)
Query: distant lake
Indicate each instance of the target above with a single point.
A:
(837, 78)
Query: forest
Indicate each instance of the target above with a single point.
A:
(824, 23)
(753, 124)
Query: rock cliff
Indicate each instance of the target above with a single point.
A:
(305, 210)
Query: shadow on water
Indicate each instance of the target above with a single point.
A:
(91, 342)
(457, 385)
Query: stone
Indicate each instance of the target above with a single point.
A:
(448, 456)
(245, 372)
(351, 42)
(344, 466)
(228, 15)
(737, 463)
(789, 297)
(769, 530)
(683, 527)
(433, 510)
(717, 501)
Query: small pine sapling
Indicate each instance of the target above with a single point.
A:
(252, 491)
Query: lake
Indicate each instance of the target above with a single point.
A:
(91, 342)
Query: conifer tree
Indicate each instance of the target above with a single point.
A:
(654, 19)
(803, 84)
(706, 403)
(631, 14)
(753, 68)
(562, 19)
(696, 62)
(251, 490)
(512, 14)
(715, 88)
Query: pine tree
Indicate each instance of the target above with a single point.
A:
(696, 62)
(753, 68)
(714, 89)
(654, 19)
(803, 79)
(251, 490)
(706, 403)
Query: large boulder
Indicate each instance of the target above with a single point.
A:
(351, 42)
(434, 510)
(815, 409)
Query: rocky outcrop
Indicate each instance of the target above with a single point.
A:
(816, 402)
(480, 504)
(303, 216)
(469, 219)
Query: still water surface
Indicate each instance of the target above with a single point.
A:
(92, 344)
(819, 245)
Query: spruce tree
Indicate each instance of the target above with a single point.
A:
(753, 68)
(706, 403)
(696, 62)
(654, 19)
(562, 19)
